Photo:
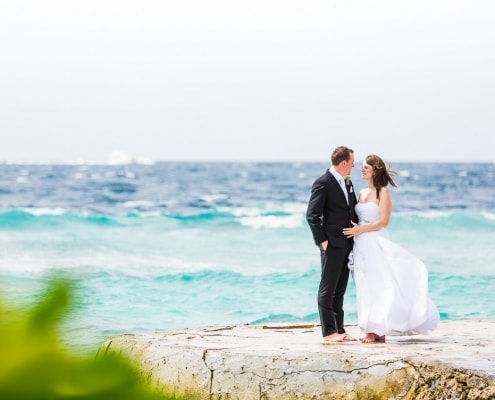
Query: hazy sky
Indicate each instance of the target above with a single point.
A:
(247, 80)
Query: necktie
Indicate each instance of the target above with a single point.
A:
(344, 189)
(348, 188)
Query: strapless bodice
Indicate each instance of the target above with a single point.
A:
(367, 212)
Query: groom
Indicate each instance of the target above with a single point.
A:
(330, 210)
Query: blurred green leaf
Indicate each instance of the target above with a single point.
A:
(34, 365)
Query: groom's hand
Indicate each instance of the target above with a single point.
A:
(323, 245)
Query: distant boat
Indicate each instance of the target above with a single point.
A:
(120, 157)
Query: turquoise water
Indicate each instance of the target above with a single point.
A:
(174, 245)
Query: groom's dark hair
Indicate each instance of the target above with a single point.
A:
(341, 153)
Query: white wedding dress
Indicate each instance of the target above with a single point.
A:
(391, 283)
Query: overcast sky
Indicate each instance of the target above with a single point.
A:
(247, 80)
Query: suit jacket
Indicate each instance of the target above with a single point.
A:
(328, 212)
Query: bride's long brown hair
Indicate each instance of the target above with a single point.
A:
(382, 174)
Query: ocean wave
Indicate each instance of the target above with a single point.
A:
(273, 221)
(212, 198)
(58, 211)
(107, 264)
(140, 204)
(285, 319)
(489, 216)
(462, 219)
(274, 208)
(265, 216)
(428, 214)
(175, 186)
(48, 217)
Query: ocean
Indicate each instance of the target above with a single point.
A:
(174, 245)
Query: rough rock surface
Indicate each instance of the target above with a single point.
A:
(456, 361)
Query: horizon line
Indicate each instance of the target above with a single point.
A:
(138, 161)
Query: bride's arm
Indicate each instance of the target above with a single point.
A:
(385, 206)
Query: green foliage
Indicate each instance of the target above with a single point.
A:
(34, 364)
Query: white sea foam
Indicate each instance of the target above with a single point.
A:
(266, 208)
(272, 221)
(139, 204)
(44, 211)
(79, 175)
(211, 198)
(489, 216)
(429, 214)
(242, 211)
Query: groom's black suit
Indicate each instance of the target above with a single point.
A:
(328, 214)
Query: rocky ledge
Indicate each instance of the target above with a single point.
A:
(456, 361)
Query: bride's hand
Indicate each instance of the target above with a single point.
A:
(351, 232)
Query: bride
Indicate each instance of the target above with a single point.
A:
(391, 284)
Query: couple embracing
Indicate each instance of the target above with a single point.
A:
(391, 284)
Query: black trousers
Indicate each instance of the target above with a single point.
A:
(333, 284)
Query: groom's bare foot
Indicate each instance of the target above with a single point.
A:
(349, 338)
(373, 338)
(334, 338)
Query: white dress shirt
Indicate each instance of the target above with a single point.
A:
(341, 181)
